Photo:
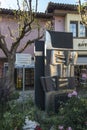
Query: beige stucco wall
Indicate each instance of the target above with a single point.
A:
(79, 44)
(71, 17)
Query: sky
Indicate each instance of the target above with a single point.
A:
(42, 4)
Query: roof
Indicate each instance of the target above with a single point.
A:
(38, 14)
(43, 15)
(59, 6)
(6, 11)
(50, 8)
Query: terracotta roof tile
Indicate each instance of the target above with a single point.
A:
(11, 12)
(59, 6)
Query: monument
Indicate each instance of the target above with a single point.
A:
(54, 69)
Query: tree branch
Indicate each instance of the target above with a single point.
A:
(29, 43)
(11, 35)
(18, 4)
(83, 12)
(3, 45)
(26, 28)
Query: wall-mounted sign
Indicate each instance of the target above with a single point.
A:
(23, 59)
(80, 44)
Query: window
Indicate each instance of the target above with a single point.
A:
(78, 29)
(74, 28)
(29, 78)
(82, 32)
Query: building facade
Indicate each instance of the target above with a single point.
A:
(7, 20)
(67, 19)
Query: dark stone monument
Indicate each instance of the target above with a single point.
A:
(39, 71)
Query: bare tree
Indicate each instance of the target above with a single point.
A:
(82, 7)
(26, 18)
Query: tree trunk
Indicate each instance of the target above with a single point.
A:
(10, 74)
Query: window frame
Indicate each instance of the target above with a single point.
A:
(85, 30)
(76, 23)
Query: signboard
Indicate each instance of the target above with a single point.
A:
(80, 44)
(23, 59)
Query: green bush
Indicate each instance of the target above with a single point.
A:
(14, 95)
(12, 121)
(14, 116)
(73, 114)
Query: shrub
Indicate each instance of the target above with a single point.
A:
(73, 114)
(13, 120)
(15, 116)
